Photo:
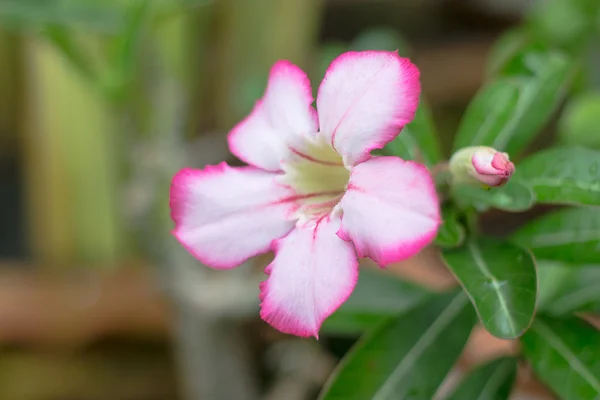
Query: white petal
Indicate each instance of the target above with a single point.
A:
(313, 273)
(391, 209)
(365, 100)
(278, 120)
(225, 215)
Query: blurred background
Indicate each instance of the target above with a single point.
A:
(102, 101)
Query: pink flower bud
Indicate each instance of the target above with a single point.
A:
(481, 164)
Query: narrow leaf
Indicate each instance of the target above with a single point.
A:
(508, 112)
(569, 235)
(501, 282)
(492, 381)
(408, 357)
(563, 175)
(565, 354)
(376, 297)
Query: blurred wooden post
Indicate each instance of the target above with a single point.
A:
(70, 164)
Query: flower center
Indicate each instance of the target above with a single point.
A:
(318, 177)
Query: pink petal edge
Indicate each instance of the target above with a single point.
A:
(365, 100)
(205, 206)
(280, 118)
(385, 194)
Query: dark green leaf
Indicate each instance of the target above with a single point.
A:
(501, 282)
(408, 357)
(565, 175)
(514, 196)
(418, 140)
(451, 233)
(565, 354)
(492, 381)
(377, 296)
(508, 112)
(569, 235)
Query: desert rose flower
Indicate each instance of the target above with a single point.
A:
(312, 192)
(480, 164)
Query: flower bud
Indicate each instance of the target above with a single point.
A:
(481, 164)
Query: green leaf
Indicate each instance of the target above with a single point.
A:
(32, 14)
(579, 292)
(376, 297)
(501, 282)
(508, 112)
(565, 354)
(418, 140)
(492, 381)
(514, 196)
(452, 233)
(570, 235)
(505, 48)
(408, 357)
(126, 47)
(564, 175)
(565, 23)
(553, 277)
(579, 122)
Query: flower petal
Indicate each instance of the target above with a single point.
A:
(313, 273)
(225, 215)
(364, 101)
(390, 210)
(284, 112)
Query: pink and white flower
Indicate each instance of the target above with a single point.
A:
(312, 192)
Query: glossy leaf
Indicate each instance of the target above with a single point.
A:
(408, 357)
(514, 196)
(492, 381)
(570, 235)
(579, 291)
(508, 112)
(501, 282)
(452, 233)
(563, 175)
(377, 296)
(565, 354)
(418, 140)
